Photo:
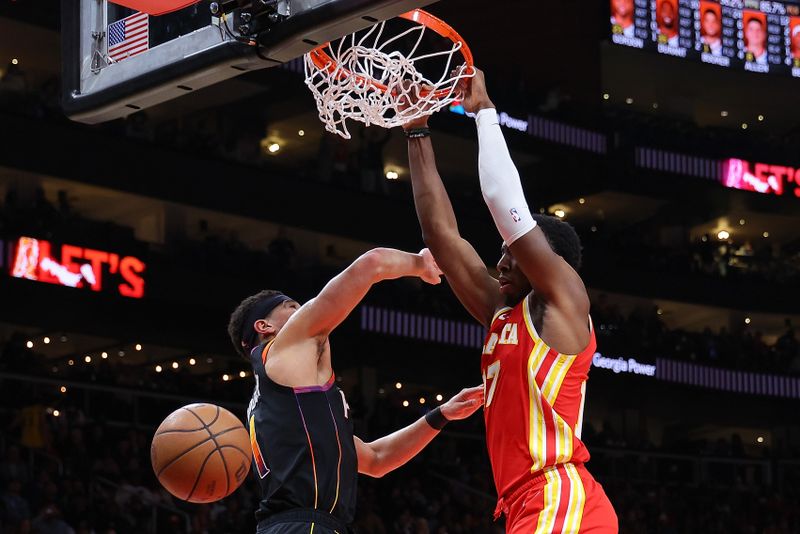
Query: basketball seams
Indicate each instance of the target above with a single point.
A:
(213, 437)
(245, 454)
(199, 474)
(178, 431)
(202, 489)
(193, 447)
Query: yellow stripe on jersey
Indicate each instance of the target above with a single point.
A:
(537, 438)
(552, 498)
(555, 378)
(526, 313)
(577, 501)
(550, 389)
(498, 313)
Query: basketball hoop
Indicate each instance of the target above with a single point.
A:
(363, 79)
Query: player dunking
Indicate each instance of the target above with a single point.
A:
(540, 343)
(304, 452)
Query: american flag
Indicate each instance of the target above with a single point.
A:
(129, 36)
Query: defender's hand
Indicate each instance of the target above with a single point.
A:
(464, 404)
(430, 272)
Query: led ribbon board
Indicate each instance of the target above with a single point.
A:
(78, 267)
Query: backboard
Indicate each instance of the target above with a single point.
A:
(117, 60)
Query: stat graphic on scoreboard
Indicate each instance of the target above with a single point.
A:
(751, 35)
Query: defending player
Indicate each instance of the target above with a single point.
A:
(540, 342)
(304, 451)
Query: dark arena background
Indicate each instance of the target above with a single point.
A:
(125, 245)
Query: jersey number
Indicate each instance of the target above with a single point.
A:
(491, 375)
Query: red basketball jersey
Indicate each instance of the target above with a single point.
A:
(533, 400)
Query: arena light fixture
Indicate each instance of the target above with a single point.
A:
(765, 235)
(399, 385)
(629, 101)
(63, 389)
(56, 413)
(159, 368)
(242, 374)
(581, 200)
(104, 355)
(274, 148)
(761, 118)
(301, 133)
(392, 175)
(439, 397)
(723, 235)
(747, 320)
(606, 96)
(225, 378)
(88, 359)
(138, 347)
(192, 361)
(46, 340)
(742, 222)
(560, 213)
(744, 126)
(422, 400)
(723, 113)
(760, 439)
(29, 344)
(405, 404)
(175, 365)
(71, 363)
(15, 61)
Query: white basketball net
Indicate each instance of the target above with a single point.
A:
(345, 89)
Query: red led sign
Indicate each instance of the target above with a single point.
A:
(78, 267)
(760, 177)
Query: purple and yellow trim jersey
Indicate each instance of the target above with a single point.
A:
(303, 450)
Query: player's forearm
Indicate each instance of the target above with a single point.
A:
(396, 449)
(500, 181)
(390, 264)
(434, 210)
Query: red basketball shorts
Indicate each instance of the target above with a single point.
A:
(563, 499)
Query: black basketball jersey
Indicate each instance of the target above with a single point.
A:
(303, 450)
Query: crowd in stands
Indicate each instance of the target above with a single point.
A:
(80, 473)
(661, 247)
(642, 333)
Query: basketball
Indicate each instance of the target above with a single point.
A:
(201, 453)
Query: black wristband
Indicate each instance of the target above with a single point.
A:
(436, 419)
(417, 133)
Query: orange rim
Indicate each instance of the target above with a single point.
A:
(324, 62)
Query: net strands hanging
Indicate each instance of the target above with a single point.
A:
(362, 79)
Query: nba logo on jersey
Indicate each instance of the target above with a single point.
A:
(515, 215)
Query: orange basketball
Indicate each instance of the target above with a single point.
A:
(201, 453)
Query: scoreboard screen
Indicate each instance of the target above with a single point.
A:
(753, 35)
